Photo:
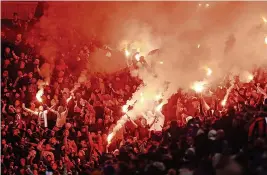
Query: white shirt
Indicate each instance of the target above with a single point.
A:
(42, 116)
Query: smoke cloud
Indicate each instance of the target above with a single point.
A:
(225, 36)
(175, 27)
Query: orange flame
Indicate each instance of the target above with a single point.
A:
(264, 19)
(198, 86)
(124, 108)
(137, 57)
(250, 77)
(223, 103)
(127, 53)
(39, 95)
(208, 71)
(159, 107)
(109, 138)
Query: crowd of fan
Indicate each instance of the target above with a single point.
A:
(73, 140)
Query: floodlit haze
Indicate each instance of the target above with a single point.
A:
(224, 36)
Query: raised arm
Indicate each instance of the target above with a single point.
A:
(4, 109)
(129, 118)
(144, 115)
(29, 110)
(40, 145)
(261, 91)
(52, 110)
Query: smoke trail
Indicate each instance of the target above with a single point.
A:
(224, 101)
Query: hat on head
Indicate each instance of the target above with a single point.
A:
(199, 132)
(187, 119)
(212, 134)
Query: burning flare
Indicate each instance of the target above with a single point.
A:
(109, 138)
(158, 97)
(264, 19)
(198, 86)
(223, 103)
(265, 39)
(208, 71)
(127, 53)
(137, 56)
(250, 77)
(159, 107)
(125, 108)
(39, 94)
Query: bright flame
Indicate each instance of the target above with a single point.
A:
(159, 107)
(69, 99)
(198, 86)
(265, 39)
(142, 99)
(124, 108)
(127, 53)
(250, 77)
(158, 97)
(198, 46)
(109, 138)
(161, 62)
(199, 5)
(208, 71)
(207, 5)
(39, 95)
(137, 56)
(264, 19)
(223, 103)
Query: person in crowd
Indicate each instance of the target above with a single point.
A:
(61, 115)
(16, 22)
(41, 114)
